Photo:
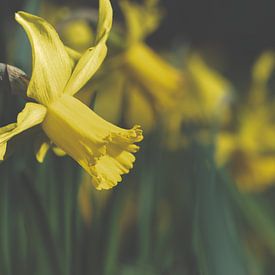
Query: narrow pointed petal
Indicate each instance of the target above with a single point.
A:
(90, 61)
(263, 68)
(104, 21)
(32, 115)
(51, 66)
(42, 151)
(42, 147)
(101, 148)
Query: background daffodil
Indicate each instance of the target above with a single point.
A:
(249, 149)
(102, 149)
(205, 105)
(72, 24)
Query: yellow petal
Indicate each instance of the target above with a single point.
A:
(160, 79)
(93, 57)
(261, 74)
(51, 66)
(74, 55)
(213, 89)
(225, 145)
(101, 148)
(58, 151)
(141, 20)
(43, 146)
(257, 173)
(7, 128)
(104, 21)
(263, 67)
(32, 115)
(42, 151)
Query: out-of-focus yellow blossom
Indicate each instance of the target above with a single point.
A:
(137, 77)
(261, 74)
(101, 148)
(207, 101)
(141, 20)
(249, 151)
(72, 26)
(82, 29)
(212, 91)
(263, 68)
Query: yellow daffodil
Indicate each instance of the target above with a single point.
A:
(101, 148)
(249, 151)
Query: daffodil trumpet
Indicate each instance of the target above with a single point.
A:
(104, 150)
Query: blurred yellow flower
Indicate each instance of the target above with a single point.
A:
(84, 35)
(71, 24)
(137, 77)
(249, 150)
(206, 104)
(212, 90)
(102, 149)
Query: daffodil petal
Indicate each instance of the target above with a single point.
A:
(43, 146)
(132, 14)
(258, 175)
(105, 20)
(7, 128)
(58, 151)
(90, 61)
(52, 66)
(141, 20)
(261, 74)
(263, 68)
(42, 151)
(225, 145)
(161, 80)
(32, 115)
(214, 90)
(75, 55)
(101, 148)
